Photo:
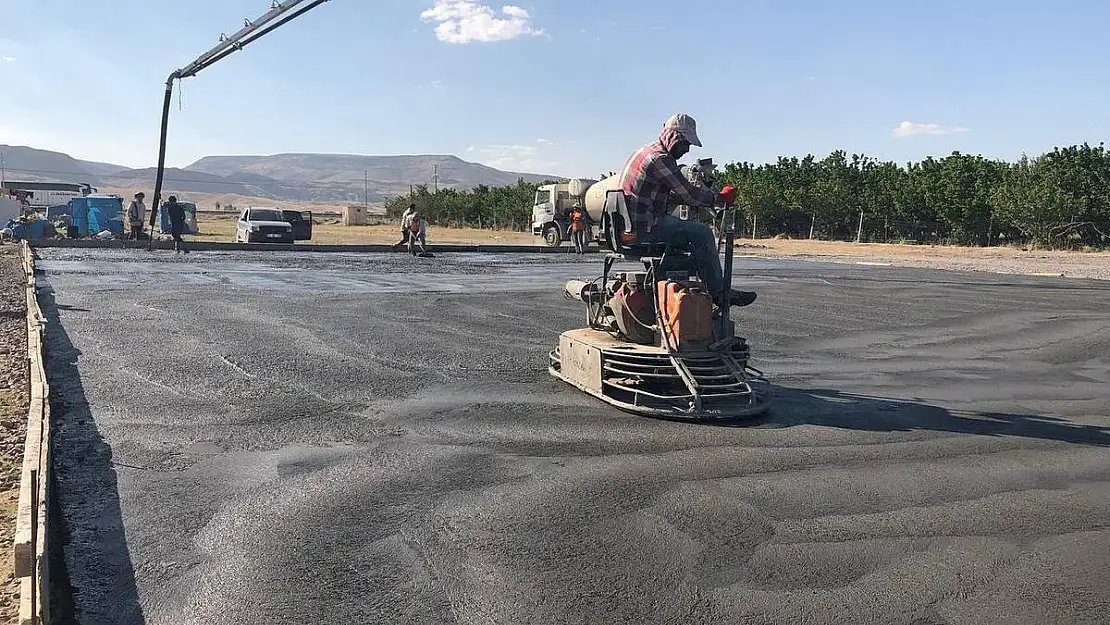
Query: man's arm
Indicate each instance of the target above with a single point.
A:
(670, 176)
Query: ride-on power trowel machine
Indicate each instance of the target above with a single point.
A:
(654, 342)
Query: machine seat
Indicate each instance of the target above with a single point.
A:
(664, 258)
(616, 223)
(642, 251)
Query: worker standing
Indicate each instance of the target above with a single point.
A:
(652, 181)
(176, 213)
(405, 217)
(578, 226)
(136, 212)
(418, 232)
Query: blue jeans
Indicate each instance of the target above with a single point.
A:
(678, 232)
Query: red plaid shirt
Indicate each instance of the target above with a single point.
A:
(652, 181)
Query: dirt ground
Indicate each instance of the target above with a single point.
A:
(994, 260)
(13, 415)
(1007, 260)
(331, 232)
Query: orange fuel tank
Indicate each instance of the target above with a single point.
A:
(687, 314)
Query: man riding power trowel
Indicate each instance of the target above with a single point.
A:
(652, 182)
(658, 342)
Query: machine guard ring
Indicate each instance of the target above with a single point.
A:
(649, 381)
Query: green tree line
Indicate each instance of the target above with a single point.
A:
(1058, 199)
(499, 208)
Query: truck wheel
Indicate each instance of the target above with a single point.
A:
(552, 236)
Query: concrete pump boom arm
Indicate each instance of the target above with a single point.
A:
(279, 14)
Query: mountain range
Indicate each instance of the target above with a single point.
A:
(297, 178)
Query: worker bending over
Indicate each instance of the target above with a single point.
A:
(417, 231)
(652, 182)
(404, 225)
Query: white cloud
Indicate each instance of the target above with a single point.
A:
(911, 129)
(7, 59)
(515, 157)
(465, 21)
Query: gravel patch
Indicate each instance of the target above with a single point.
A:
(987, 260)
(13, 414)
(1096, 268)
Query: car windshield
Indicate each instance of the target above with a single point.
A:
(264, 215)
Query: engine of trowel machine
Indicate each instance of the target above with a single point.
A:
(685, 310)
(633, 310)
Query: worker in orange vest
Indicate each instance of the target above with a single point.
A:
(578, 226)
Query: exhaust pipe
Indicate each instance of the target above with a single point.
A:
(582, 291)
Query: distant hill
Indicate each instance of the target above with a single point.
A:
(102, 169)
(309, 178)
(31, 164)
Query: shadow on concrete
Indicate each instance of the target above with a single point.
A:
(92, 577)
(832, 408)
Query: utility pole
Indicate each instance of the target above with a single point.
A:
(435, 178)
(250, 32)
(859, 233)
(3, 171)
(366, 188)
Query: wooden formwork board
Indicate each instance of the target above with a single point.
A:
(29, 552)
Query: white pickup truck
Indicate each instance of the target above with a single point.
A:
(263, 225)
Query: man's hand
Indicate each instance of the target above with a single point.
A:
(727, 195)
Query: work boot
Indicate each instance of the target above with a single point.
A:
(737, 298)
(740, 298)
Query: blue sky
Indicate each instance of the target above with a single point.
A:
(559, 86)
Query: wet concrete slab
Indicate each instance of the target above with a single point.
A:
(257, 438)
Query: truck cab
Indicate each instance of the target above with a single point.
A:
(549, 219)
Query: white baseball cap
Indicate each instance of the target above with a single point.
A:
(686, 126)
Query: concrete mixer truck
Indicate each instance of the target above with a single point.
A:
(552, 206)
(553, 202)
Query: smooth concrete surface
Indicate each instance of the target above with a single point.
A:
(257, 438)
(162, 244)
